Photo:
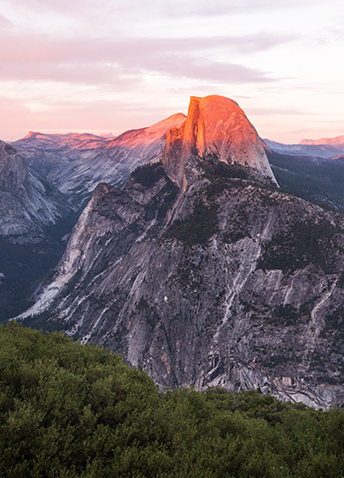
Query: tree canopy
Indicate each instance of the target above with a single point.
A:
(70, 410)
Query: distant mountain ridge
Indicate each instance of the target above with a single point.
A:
(312, 148)
(76, 163)
(336, 141)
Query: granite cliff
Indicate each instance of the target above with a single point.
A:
(202, 271)
(215, 126)
(27, 204)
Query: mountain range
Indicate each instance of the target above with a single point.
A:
(45, 181)
(76, 163)
(322, 148)
(202, 270)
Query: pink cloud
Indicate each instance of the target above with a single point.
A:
(104, 61)
(28, 47)
(70, 73)
(177, 8)
(5, 22)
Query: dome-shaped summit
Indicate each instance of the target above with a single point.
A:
(215, 125)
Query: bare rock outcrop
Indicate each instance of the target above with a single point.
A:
(27, 205)
(215, 126)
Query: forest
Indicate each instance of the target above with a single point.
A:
(73, 410)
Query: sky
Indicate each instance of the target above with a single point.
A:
(109, 66)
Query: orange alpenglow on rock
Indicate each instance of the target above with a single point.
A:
(215, 125)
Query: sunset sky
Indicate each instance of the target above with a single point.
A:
(108, 66)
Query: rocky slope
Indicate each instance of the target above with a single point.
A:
(76, 163)
(27, 204)
(33, 218)
(206, 273)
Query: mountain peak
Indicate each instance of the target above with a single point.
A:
(31, 134)
(215, 125)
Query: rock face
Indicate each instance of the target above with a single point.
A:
(33, 218)
(205, 273)
(215, 126)
(27, 204)
(76, 163)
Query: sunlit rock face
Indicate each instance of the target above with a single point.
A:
(215, 125)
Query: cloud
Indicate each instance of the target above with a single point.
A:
(104, 61)
(270, 111)
(65, 6)
(205, 69)
(163, 8)
(86, 74)
(5, 23)
(42, 47)
(206, 8)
